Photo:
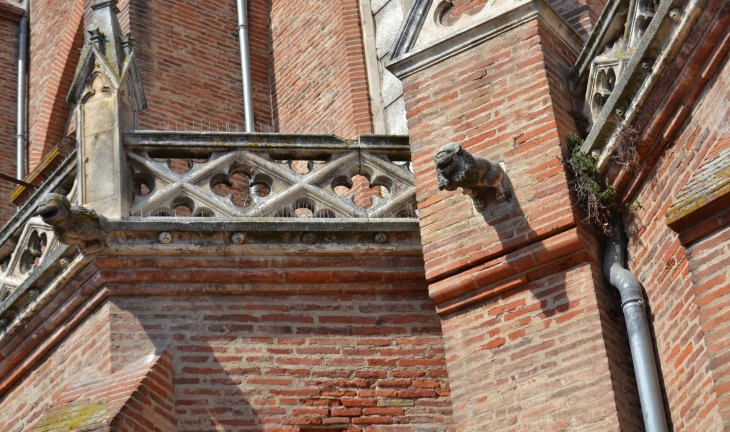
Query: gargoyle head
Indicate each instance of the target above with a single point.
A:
(455, 167)
(446, 158)
(54, 209)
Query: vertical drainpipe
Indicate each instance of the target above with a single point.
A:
(637, 327)
(22, 54)
(245, 64)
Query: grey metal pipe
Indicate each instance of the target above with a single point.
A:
(22, 54)
(245, 64)
(637, 326)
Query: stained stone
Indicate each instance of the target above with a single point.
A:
(387, 23)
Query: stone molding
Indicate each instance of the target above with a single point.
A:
(706, 194)
(377, 109)
(61, 178)
(605, 26)
(406, 62)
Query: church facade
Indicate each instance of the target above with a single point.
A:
(460, 215)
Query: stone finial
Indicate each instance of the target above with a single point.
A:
(125, 42)
(456, 167)
(96, 37)
(73, 224)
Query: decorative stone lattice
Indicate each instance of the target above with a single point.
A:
(35, 243)
(607, 66)
(275, 188)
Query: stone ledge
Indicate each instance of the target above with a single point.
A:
(268, 224)
(278, 145)
(511, 271)
(414, 61)
(706, 193)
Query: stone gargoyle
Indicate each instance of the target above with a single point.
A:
(73, 224)
(456, 167)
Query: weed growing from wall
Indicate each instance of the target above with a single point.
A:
(594, 191)
(625, 154)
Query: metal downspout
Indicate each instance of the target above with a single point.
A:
(245, 64)
(637, 326)
(22, 54)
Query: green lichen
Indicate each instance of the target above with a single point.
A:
(75, 416)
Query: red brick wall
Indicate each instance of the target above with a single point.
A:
(318, 68)
(87, 347)
(189, 62)
(190, 66)
(536, 359)
(678, 290)
(56, 35)
(550, 354)
(295, 360)
(355, 343)
(8, 96)
(498, 103)
(152, 405)
(708, 261)
(306, 78)
(138, 397)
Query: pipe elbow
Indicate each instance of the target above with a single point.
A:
(615, 273)
(626, 283)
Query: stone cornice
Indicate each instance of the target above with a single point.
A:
(264, 237)
(281, 145)
(410, 62)
(704, 198)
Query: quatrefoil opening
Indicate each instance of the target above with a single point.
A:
(361, 190)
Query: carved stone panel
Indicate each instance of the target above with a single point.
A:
(275, 189)
(35, 243)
